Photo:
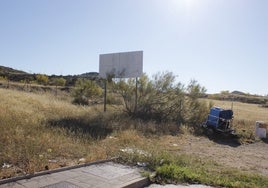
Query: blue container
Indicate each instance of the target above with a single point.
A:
(216, 114)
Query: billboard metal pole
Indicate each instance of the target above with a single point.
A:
(136, 95)
(105, 94)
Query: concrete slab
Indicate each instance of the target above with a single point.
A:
(103, 175)
(63, 184)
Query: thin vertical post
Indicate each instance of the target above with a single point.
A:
(105, 94)
(136, 95)
(232, 103)
(7, 80)
(56, 90)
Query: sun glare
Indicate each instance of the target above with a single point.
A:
(188, 4)
(189, 8)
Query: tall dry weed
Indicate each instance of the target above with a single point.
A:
(28, 142)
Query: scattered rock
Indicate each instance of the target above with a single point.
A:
(82, 160)
(142, 164)
(6, 165)
(52, 161)
(133, 150)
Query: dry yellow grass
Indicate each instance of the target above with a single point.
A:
(245, 111)
(28, 141)
(39, 131)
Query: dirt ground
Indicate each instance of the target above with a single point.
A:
(246, 157)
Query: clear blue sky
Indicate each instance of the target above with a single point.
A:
(223, 44)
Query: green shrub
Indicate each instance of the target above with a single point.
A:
(84, 90)
(112, 99)
(176, 174)
(162, 99)
(58, 81)
(196, 110)
(4, 78)
(42, 79)
(159, 98)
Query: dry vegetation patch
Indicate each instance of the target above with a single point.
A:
(29, 143)
(40, 132)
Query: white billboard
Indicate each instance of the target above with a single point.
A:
(121, 65)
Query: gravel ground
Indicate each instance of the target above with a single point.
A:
(252, 158)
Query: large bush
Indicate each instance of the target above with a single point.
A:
(162, 99)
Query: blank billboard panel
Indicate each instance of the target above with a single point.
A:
(121, 65)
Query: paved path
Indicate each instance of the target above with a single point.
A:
(103, 175)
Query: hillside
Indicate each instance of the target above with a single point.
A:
(14, 75)
(7, 70)
(21, 76)
(240, 97)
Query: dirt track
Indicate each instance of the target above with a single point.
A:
(247, 157)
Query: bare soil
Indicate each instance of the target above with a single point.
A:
(251, 158)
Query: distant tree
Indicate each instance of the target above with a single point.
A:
(59, 81)
(84, 90)
(42, 79)
(4, 78)
(225, 92)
